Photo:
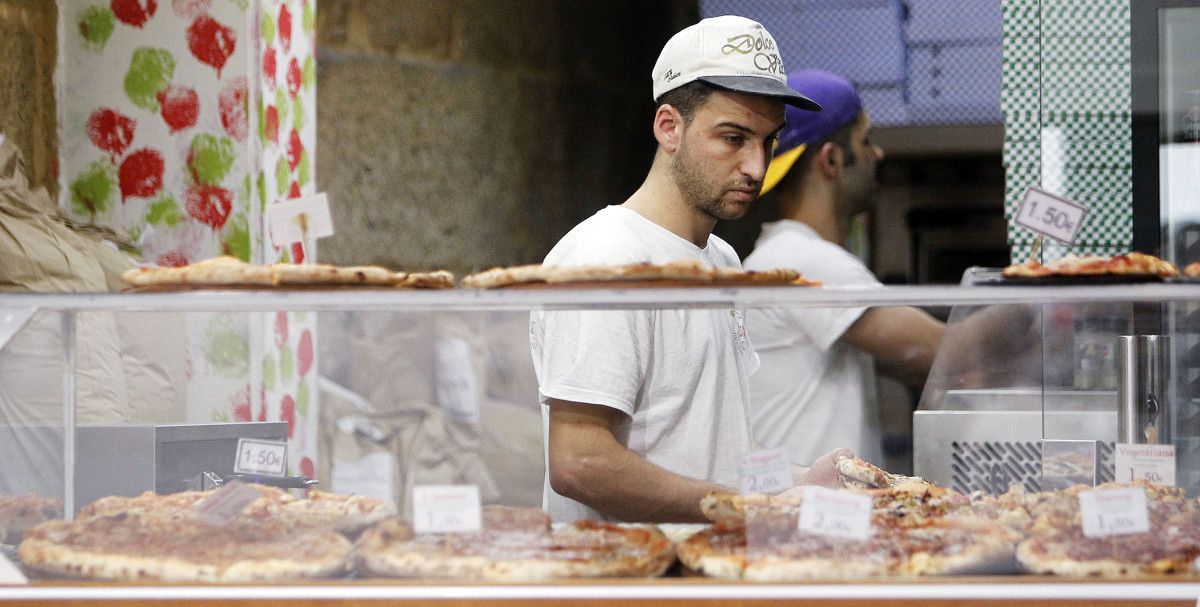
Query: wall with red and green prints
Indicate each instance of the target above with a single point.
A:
(179, 122)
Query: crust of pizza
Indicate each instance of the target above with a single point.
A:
(496, 278)
(439, 279)
(777, 276)
(516, 549)
(719, 552)
(777, 569)
(309, 274)
(1192, 269)
(222, 270)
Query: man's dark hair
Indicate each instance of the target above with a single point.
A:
(840, 138)
(688, 98)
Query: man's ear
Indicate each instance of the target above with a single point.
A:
(829, 160)
(668, 128)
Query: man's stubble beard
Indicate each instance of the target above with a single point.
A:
(698, 193)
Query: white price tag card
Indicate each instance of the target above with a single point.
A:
(836, 513)
(225, 503)
(766, 471)
(446, 509)
(1050, 215)
(370, 476)
(456, 389)
(10, 575)
(1106, 512)
(261, 456)
(1154, 463)
(291, 220)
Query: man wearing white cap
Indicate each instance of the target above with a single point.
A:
(646, 411)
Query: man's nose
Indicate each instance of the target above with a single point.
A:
(754, 163)
(878, 152)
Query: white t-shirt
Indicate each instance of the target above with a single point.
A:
(813, 393)
(680, 376)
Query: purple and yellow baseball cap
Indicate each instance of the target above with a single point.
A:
(840, 104)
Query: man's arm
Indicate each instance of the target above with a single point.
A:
(588, 465)
(902, 340)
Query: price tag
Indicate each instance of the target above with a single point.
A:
(260, 456)
(1106, 512)
(1050, 215)
(836, 513)
(446, 509)
(225, 503)
(765, 471)
(9, 574)
(456, 389)
(370, 476)
(300, 218)
(1154, 463)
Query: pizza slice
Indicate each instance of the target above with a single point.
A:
(858, 473)
(515, 544)
(1130, 264)
(19, 513)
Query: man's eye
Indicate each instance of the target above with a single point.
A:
(734, 138)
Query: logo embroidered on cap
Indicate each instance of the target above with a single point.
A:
(765, 58)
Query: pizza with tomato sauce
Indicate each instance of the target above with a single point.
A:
(515, 544)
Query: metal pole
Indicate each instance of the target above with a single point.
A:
(68, 334)
(1127, 389)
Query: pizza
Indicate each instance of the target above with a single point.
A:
(20, 512)
(858, 473)
(231, 272)
(144, 545)
(275, 536)
(1132, 264)
(681, 272)
(348, 514)
(218, 271)
(769, 546)
(1057, 545)
(515, 544)
(1192, 270)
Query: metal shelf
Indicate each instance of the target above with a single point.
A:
(581, 299)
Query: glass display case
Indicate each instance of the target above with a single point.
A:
(435, 389)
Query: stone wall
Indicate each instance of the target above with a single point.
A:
(470, 133)
(27, 108)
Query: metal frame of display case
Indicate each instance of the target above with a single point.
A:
(946, 590)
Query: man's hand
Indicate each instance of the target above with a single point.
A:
(823, 472)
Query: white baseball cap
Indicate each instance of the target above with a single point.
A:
(729, 52)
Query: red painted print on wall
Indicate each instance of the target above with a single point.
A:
(180, 106)
(111, 131)
(141, 174)
(209, 205)
(211, 42)
(134, 12)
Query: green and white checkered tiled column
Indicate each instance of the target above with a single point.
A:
(1065, 96)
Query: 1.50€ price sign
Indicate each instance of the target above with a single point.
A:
(257, 456)
(1050, 215)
